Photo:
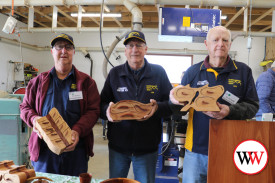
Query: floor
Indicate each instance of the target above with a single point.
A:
(98, 165)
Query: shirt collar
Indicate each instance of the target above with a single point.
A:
(136, 71)
(208, 66)
(54, 75)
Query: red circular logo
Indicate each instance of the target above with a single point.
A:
(250, 157)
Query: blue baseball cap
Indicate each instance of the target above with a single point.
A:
(64, 37)
(134, 34)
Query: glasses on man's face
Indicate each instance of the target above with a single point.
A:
(131, 46)
(68, 47)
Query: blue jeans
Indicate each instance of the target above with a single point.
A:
(194, 168)
(144, 166)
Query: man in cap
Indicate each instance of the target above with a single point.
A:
(76, 97)
(240, 101)
(265, 86)
(135, 141)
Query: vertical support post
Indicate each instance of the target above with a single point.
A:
(245, 18)
(79, 18)
(54, 17)
(273, 21)
(30, 18)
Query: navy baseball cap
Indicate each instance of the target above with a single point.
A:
(134, 34)
(64, 37)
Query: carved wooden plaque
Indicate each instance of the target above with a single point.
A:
(205, 101)
(130, 110)
(10, 173)
(55, 131)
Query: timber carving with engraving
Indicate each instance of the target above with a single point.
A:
(11, 173)
(55, 131)
(130, 110)
(205, 101)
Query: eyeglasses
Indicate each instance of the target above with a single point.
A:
(68, 47)
(131, 46)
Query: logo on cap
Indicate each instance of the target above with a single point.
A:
(64, 37)
(133, 34)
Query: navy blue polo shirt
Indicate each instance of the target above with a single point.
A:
(58, 97)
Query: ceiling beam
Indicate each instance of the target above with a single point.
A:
(235, 16)
(26, 17)
(266, 28)
(118, 22)
(48, 17)
(67, 16)
(107, 9)
(262, 16)
(93, 19)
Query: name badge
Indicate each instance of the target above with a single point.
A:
(230, 97)
(75, 95)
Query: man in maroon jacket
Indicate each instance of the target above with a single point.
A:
(76, 97)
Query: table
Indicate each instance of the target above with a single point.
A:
(63, 178)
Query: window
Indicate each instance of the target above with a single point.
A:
(174, 65)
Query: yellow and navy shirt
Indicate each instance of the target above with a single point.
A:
(236, 77)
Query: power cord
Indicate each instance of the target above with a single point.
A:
(165, 146)
(100, 33)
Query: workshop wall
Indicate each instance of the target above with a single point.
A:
(43, 59)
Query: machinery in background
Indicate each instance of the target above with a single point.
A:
(13, 132)
(168, 159)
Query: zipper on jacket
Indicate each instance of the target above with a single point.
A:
(137, 87)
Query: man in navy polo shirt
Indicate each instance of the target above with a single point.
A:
(76, 97)
(239, 102)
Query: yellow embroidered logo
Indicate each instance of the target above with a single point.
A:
(73, 86)
(151, 88)
(235, 82)
(64, 36)
(133, 34)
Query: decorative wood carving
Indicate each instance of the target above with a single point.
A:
(10, 173)
(55, 131)
(120, 180)
(130, 110)
(205, 101)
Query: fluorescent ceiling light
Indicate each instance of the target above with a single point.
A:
(223, 17)
(97, 15)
